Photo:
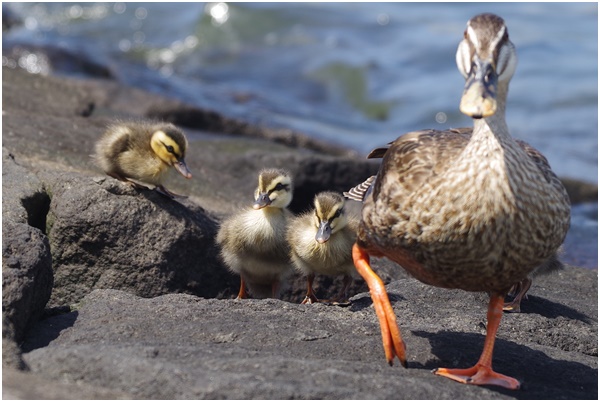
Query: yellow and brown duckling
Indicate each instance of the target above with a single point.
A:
(469, 209)
(253, 242)
(321, 243)
(144, 152)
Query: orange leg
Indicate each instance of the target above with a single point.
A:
(242, 293)
(482, 373)
(310, 294)
(520, 289)
(390, 333)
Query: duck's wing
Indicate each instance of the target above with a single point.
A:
(417, 151)
(361, 191)
(542, 163)
(416, 156)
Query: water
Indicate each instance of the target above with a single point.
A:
(356, 74)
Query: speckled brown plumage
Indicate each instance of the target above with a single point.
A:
(420, 161)
(469, 209)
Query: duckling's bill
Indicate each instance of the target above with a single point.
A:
(324, 232)
(263, 200)
(182, 168)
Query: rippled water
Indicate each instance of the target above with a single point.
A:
(358, 74)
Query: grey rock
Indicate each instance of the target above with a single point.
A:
(23, 385)
(26, 262)
(26, 276)
(106, 235)
(196, 348)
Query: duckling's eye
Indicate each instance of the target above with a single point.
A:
(337, 214)
(279, 187)
(170, 149)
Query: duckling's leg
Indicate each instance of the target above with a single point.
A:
(162, 190)
(343, 296)
(275, 288)
(482, 373)
(124, 179)
(310, 297)
(520, 291)
(390, 333)
(242, 293)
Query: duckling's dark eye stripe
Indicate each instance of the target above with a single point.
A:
(337, 213)
(279, 187)
(170, 149)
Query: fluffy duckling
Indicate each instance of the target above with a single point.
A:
(321, 243)
(253, 242)
(143, 152)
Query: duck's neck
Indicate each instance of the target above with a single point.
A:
(493, 129)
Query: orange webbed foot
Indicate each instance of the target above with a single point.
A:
(479, 375)
(520, 292)
(482, 373)
(393, 344)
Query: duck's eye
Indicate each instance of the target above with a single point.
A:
(170, 149)
(279, 187)
(473, 67)
(488, 75)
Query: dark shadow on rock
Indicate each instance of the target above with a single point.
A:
(37, 206)
(549, 309)
(363, 300)
(541, 376)
(48, 330)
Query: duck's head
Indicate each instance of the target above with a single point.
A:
(274, 189)
(487, 59)
(170, 144)
(329, 215)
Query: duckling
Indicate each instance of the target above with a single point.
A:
(253, 242)
(142, 151)
(321, 243)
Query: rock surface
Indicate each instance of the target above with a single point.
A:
(26, 260)
(105, 235)
(185, 347)
(89, 248)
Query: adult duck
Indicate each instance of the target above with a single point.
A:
(470, 209)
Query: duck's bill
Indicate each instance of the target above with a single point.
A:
(261, 201)
(479, 96)
(324, 232)
(183, 169)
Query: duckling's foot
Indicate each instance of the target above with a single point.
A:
(310, 297)
(520, 292)
(336, 302)
(162, 190)
(242, 294)
(479, 375)
(310, 300)
(137, 186)
(133, 184)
